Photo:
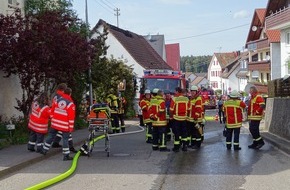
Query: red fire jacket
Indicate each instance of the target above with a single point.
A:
(179, 107)
(256, 107)
(38, 118)
(64, 114)
(195, 112)
(157, 111)
(145, 105)
(233, 109)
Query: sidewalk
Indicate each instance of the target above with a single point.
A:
(16, 157)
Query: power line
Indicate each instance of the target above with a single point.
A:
(104, 7)
(110, 3)
(209, 33)
(110, 7)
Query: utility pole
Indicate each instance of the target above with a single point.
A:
(90, 65)
(117, 14)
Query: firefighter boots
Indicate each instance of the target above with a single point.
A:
(67, 157)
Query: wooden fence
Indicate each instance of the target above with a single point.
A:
(279, 88)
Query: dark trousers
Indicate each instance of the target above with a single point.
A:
(254, 127)
(222, 116)
(121, 118)
(58, 138)
(180, 133)
(115, 123)
(149, 136)
(229, 136)
(51, 135)
(194, 136)
(35, 139)
(159, 137)
(141, 120)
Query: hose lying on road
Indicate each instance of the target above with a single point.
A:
(73, 167)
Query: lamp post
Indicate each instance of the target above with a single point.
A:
(90, 66)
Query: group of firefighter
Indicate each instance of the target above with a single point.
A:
(183, 115)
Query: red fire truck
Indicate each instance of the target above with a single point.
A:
(166, 80)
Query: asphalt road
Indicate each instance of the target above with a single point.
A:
(133, 165)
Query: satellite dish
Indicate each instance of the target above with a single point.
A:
(268, 57)
(254, 28)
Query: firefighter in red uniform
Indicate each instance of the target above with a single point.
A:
(233, 109)
(62, 120)
(145, 105)
(38, 122)
(59, 93)
(178, 111)
(195, 117)
(159, 123)
(256, 107)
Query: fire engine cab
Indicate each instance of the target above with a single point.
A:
(166, 80)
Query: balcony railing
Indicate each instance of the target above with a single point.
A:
(258, 44)
(278, 19)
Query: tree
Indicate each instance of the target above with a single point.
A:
(42, 48)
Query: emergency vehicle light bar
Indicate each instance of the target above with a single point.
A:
(160, 72)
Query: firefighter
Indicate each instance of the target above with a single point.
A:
(62, 120)
(178, 111)
(195, 116)
(233, 109)
(59, 93)
(112, 101)
(38, 122)
(121, 111)
(159, 124)
(145, 105)
(256, 106)
(169, 121)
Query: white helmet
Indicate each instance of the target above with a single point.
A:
(147, 92)
(194, 88)
(234, 94)
(155, 90)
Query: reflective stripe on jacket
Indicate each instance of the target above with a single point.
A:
(233, 109)
(38, 118)
(255, 108)
(179, 107)
(64, 114)
(157, 111)
(145, 106)
(195, 109)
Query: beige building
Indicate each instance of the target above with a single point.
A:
(10, 87)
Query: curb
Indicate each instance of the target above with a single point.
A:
(278, 142)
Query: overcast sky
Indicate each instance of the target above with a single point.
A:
(200, 27)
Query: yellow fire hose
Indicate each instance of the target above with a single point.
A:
(65, 174)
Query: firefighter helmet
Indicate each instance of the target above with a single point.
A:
(194, 88)
(155, 90)
(234, 94)
(147, 92)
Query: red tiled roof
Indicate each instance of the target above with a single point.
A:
(273, 35)
(225, 58)
(257, 21)
(137, 46)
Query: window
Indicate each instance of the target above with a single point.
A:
(288, 38)
(9, 1)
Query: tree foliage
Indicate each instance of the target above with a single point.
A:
(41, 49)
(195, 64)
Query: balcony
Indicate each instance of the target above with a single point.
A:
(278, 20)
(258, 44)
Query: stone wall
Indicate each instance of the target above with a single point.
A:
(277, 117)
